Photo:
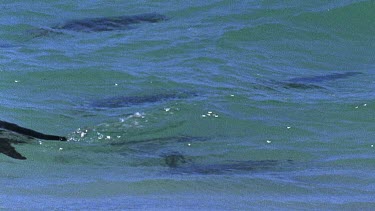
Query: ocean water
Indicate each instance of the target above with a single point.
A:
(225, 105)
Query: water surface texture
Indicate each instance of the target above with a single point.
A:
(220, 105)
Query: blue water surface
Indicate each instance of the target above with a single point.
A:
(222, 105)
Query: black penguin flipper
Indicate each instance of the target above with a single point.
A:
(28, 132)
(7, 149)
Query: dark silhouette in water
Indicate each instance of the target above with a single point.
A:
(127, 101)
(109, 23)
(6, 45)
(174, 159)
(181, 164)
(99, 24)
(322, 78)
(12, 133)
(313, 81)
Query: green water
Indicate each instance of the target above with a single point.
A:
(211, 85)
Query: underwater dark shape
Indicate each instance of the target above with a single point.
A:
(181, 164)
(109, 23)
(312, 82)
(322, 78)
(127, 101)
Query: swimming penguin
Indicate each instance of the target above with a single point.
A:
(11, 133)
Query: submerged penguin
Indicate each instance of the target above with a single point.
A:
(109, 23)
(100, 24)
(13, 134)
